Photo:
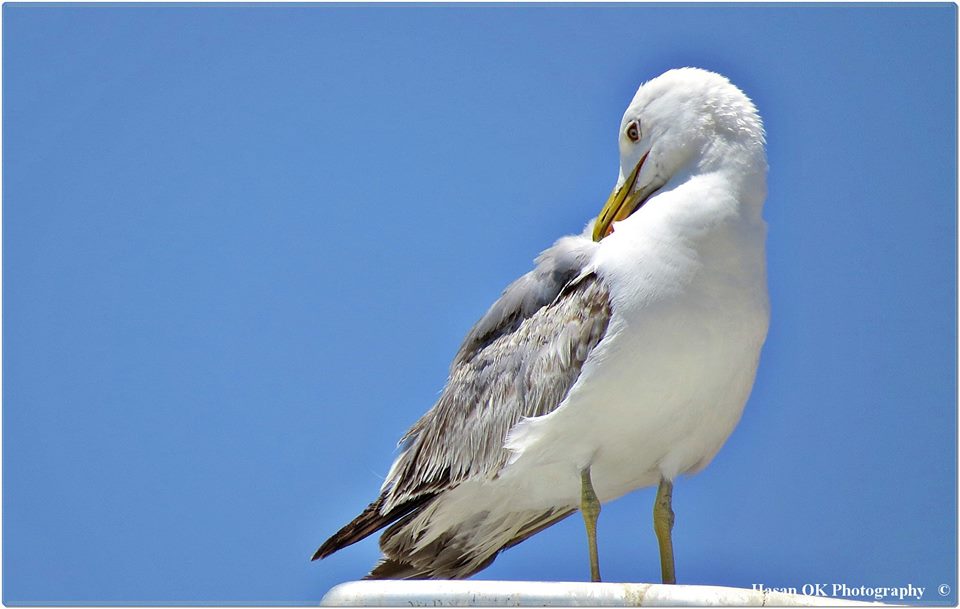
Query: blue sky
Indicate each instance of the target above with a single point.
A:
(241, 245)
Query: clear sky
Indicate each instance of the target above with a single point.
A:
(241, 245)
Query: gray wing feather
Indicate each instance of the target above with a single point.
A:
(523, 372)
(555, 267)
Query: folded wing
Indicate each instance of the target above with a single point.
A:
(519, 360)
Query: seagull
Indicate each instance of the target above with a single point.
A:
(621, 361)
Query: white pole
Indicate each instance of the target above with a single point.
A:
(470, 593)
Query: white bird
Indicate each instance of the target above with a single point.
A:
(623, 360)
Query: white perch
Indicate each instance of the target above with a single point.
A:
(468, 593)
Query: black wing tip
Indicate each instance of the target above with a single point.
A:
(367, 523)
(329, 546)
(358, 529)
(322, 552)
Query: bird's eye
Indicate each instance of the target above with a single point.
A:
(633, 131)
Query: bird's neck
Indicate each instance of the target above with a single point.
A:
(742, 167)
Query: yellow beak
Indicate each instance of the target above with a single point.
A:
(622, 202)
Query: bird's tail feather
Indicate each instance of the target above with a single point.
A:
(454, 554)
(389, 568)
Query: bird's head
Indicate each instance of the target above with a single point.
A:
(686, 121)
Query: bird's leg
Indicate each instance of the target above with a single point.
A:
(590, 507)
(663, 526)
